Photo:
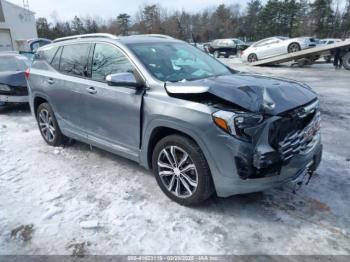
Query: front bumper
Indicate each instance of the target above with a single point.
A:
(234, 185)
(14, 99)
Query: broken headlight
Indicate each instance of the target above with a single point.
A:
(235, 123)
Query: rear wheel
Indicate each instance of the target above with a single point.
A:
(48, 126)
(293, 47)
(252, 58)
(181, 170)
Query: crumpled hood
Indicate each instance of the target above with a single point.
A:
(255, 93)
(13, 78)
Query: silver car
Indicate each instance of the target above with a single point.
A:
(275, 46)
(202, 127)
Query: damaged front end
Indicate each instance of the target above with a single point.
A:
(275, 122)
(285, 136)
(275, 139)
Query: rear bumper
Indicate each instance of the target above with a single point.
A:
(14, 99)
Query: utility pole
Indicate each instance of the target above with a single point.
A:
(26, 10)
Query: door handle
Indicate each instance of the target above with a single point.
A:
(91, 90)
(50, 81)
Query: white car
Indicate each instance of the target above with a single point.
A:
(275, 46)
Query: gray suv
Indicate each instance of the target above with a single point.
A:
(202, 127)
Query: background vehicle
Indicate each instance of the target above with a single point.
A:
(226, 47)
(274, 46)
(13, 86)
(31, 46)
(178, 111)
(329, 41)
(329, 55)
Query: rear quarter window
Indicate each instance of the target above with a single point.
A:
(46, 53)
(56, 60)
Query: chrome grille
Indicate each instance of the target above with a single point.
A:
(300, 141)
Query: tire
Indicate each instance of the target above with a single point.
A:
(198, 185)
(294, 47)
(217, 54)
(48, 126)
(252, 58)
(346, 61)
(328, 59)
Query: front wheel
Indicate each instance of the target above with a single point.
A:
(252, 58)
(48, 126)
(181, 170)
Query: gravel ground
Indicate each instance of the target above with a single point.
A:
(79, 200)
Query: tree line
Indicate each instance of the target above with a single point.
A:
(292, 18)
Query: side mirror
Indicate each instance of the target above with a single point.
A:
(123, 80)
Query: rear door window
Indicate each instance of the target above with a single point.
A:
(74, 60)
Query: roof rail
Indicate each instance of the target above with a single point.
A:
(102, 35)
(155, 35)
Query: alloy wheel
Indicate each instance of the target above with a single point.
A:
(252, 58)
(177, 171)
(46, 124)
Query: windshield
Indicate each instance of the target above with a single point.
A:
(239, 42)
(11, 63)
(282, 37)
(176, 62)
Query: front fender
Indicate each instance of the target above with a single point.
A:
(180, 126)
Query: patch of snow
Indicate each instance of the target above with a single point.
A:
(90, 224)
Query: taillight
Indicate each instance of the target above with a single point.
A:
(27, 73)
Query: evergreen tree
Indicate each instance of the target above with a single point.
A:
(43, 28)
(151, 19)
(123, 21)
(345, 22)
(271, 19)
(78, 26)
(322, 17)
(221, 21)
(251, 20)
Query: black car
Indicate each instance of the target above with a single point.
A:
(13, 86)
(226, 47)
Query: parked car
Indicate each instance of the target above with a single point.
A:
(13, 86)
(329, 41)
(199, 125)
(274, 46)
(202, 46)
(226, 47)
(29, 47)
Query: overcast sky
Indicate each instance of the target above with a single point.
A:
(67, 9)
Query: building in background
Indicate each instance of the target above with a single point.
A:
(17, 25)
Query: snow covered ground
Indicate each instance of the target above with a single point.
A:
(75, 200)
